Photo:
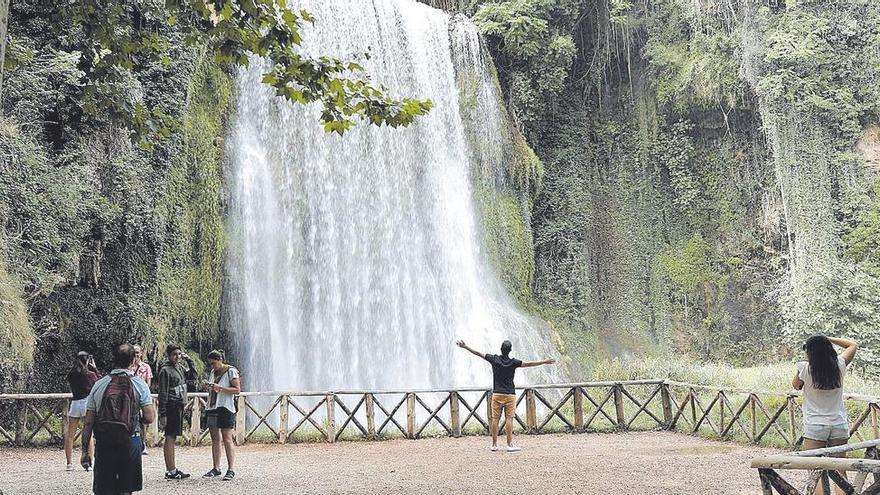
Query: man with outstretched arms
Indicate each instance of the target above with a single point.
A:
(503, 390)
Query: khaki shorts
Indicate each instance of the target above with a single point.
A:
(507, 401)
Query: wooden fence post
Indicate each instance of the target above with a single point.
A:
(874, 420)
(331, 417)
(578, 408)
(531, 412)
(618, 405)
(753, 406)
(20, 421)
(693, 408)
(791, 423)
(410, 415)
(721, 399)
(153, 428)
(240, 420)
(454, 417)
(282, 419)
(371, 416)
(195, 429)
(65, 420)
(667, 405)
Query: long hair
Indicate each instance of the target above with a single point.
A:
(823, 363)
(81, 363)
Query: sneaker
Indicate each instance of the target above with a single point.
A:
(177, 474)
(229, 476)
(513, 448)
(70, 467)
(212, 473)
(494, 448)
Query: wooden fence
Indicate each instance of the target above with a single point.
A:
(759, 417)
(826, 467)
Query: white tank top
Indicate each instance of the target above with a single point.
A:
(823, 407)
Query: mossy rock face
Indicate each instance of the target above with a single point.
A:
(16, 336)
(120, 242)
(187, 304)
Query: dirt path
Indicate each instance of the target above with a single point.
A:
(633, 463)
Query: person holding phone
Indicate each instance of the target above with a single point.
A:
(820, 376)
(223, 385)
(81, 378)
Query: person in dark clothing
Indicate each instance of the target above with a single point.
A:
(503, 389)
(81, 378)
(174, 379)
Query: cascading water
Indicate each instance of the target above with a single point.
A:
(355, 261)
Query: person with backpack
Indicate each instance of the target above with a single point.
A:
(503, 390)
(82, 378)
(223, 385)
(174, 378)
(115, 406)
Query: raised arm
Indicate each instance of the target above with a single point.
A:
(464, 346)
(530, 364)
(849, 348)
(796, 382)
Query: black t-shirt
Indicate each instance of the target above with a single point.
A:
(502, 373)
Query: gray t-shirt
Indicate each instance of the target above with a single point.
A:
(823, 407)
(224, 399)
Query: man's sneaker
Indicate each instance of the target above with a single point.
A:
(212, 473)
(177, 474)
(494, 448)
(513, 448)
(229, 476)
(70, 467)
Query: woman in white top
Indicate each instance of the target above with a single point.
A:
(223, 385)
(821, 378)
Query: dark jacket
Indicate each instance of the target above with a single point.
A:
(174, 380)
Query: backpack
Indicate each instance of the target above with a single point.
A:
(116, 420)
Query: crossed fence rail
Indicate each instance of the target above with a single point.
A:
(759, 417)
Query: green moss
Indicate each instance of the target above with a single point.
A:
(508, 241)
(187, 306)
(16, 336)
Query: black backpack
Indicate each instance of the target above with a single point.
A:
(116, 420)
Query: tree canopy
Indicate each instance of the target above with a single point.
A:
(113, 37)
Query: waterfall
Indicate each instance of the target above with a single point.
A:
(355, 261)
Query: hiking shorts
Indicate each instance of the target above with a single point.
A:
(173, 420)
(220, 418)
(77, 408)
(506, 401)
(824, 433)
(118, 469)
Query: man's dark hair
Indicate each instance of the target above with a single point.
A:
(123, 355)
(170, 348)
(506, 346)
(216, 355)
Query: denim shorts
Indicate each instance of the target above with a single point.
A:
(824, 433)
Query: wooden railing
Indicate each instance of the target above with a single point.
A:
(760, 417)
(825, 466)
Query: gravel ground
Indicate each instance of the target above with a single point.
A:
(631, 463)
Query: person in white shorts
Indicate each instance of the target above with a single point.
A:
(826, 423)
(81, 378)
